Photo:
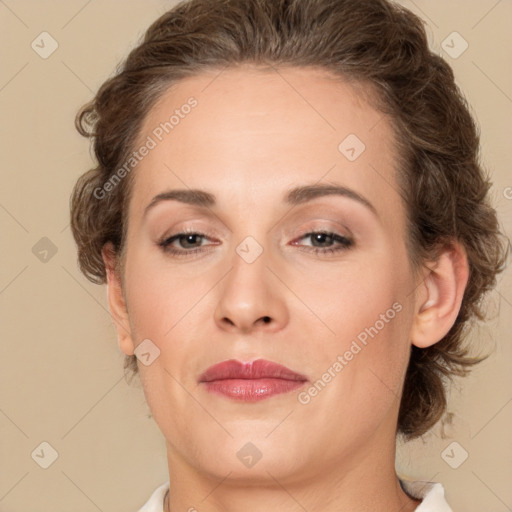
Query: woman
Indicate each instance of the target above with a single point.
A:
(293, 224)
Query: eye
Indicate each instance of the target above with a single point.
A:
(325, 242)
(188, 243)
(184, 243)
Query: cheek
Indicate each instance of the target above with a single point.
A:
(357, 299)
(366, 312)
(164, 307)
(159, 300)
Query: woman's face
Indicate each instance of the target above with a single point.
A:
(251, 282)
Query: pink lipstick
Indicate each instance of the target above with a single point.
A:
(250, 381)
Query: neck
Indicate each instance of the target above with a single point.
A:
(365, 481)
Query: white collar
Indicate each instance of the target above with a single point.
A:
(431, 494)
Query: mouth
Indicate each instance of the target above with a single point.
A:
(252, 381)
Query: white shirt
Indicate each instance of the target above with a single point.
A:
(431, 494)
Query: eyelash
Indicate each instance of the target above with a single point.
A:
(344, 243)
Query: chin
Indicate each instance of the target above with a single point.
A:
(249, 459)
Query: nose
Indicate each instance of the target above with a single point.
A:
(251, 298)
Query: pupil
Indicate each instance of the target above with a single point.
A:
(190, 239)
(319, 237)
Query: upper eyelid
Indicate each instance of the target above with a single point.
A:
(287, 229)
(311, 207)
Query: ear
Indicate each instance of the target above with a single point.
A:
(116, 301)
(440, 296)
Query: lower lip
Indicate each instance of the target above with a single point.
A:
(252, 390)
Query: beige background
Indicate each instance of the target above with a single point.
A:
(61, 378)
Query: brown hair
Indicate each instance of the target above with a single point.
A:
(373, 42)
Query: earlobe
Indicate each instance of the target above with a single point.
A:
(440, 297)
(116, 301)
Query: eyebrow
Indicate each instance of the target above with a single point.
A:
(293, 197)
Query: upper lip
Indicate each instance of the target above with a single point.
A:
(258, 369)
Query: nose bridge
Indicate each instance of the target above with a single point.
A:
(248, 278)
(252, 252)
(251, 295)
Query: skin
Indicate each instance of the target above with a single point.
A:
(254, 135)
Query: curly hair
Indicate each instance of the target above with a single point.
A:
(371, 42)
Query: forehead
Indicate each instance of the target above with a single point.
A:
(249, 133)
